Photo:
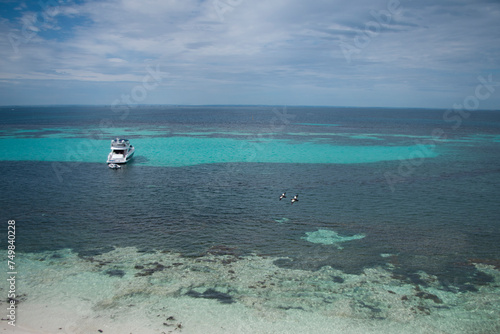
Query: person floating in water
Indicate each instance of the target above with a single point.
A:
(295, 198)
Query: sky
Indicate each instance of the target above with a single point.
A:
(366, 53)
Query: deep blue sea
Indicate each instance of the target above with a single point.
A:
(398, 200)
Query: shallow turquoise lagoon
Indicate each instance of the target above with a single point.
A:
(188, 151)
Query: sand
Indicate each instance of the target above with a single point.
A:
(167, 293)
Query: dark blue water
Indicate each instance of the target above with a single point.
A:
(436, 213)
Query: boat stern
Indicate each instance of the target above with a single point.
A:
(116, 159)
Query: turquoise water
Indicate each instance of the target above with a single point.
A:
(188, 151)
(328, 237)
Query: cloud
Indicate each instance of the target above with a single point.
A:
(265, 48)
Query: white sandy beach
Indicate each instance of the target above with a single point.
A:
(20, 330)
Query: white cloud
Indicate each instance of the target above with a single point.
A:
(117, 60)
(266, 45)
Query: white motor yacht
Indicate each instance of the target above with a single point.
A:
(121, 151)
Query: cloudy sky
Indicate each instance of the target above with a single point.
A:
(380, 53)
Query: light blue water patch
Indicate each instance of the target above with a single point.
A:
(315, 134)
(226, 134)
(483, 138)
(54, 149)
(336, 134)
(189, 151)
(317, 124)
(472, 140)
(329, 237)
(369, 137)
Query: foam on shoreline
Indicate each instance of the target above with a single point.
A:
(126, 291)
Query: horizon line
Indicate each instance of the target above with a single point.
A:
(230, 105)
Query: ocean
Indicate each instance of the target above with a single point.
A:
(397, 227)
